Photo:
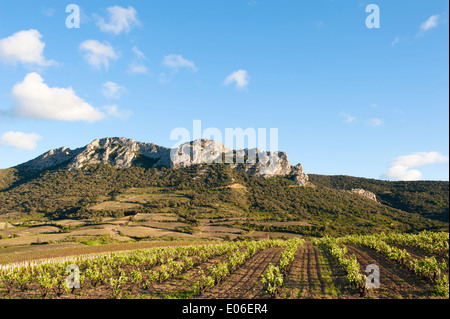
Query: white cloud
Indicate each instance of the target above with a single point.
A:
(400, 168)
(139, 54)
(35, 99)
(20, 140)
(120, 20)
(402, 173)
(240, 77)
(348, 118)
(375, 122)
(113, 110)
(98, 54)
(137, 69)
(420, 159)
(112, 90)
(24, 47)
(176, 61)
(431, 23)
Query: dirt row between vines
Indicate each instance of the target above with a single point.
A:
(182, 285)
(395, 280)
(314, 274)
(245, 282)
(178, 286)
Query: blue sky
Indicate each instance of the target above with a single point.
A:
(346, 99)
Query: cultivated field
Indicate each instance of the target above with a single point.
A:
(410, 266)
(18, 229)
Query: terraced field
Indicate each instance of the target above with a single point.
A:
(297, 268)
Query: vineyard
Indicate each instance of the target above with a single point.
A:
(385, 266)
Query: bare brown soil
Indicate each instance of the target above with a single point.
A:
(236, 186)
(175, 286)
(245, 282)
(291, 223)
(183, 284)
(313, 275)
(396, 282)
(114, 205)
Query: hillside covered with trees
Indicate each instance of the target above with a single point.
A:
(204, 191)
(427, 198)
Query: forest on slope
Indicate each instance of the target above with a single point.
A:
(427, 198)
(203, 190)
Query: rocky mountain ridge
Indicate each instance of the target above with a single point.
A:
(123, 153)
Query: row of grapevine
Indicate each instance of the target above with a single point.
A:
(349, 264)
(273, 277)
(432, 242)
(428, 267)
(138, 272)
(220, 271)
(140, 268)
(373, 242)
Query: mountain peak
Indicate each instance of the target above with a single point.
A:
(48, 160)
(124, 152)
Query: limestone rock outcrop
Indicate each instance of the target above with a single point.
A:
(5, 225)
(48, 160)
(119, 152)
(365, 193)
(123, 153)
(300, 177)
